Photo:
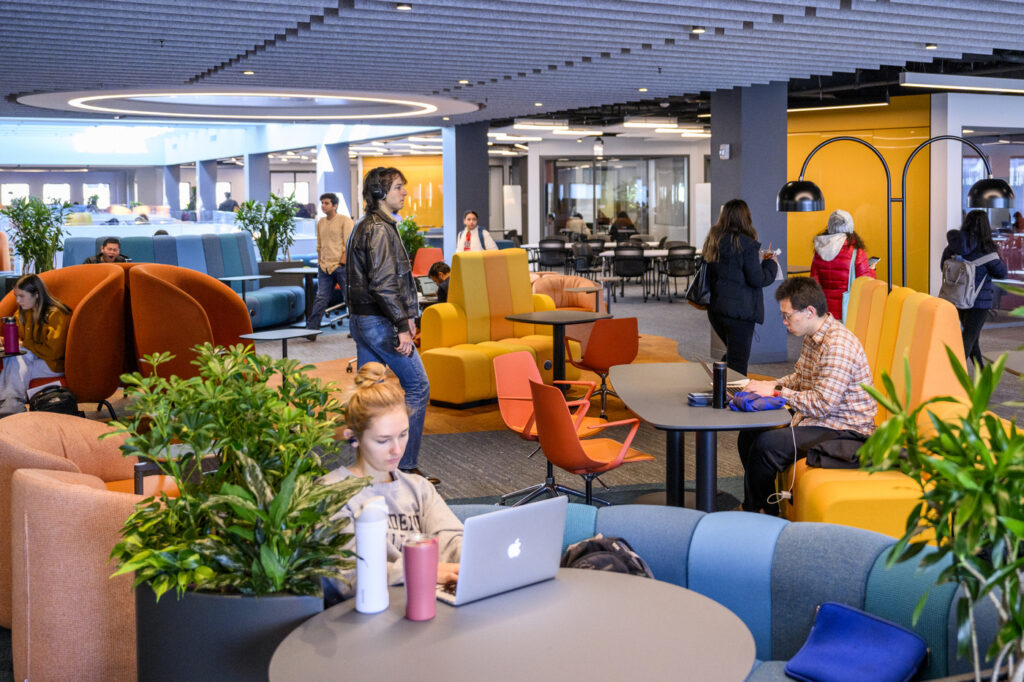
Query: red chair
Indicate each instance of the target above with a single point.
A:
(513, 373)
(560, 440)
(425, 257)
(613, 341)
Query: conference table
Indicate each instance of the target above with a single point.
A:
(657, 393)
(639, 629)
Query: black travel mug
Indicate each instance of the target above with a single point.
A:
(718, 385)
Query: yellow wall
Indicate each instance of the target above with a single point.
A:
(851, 177)
(425, 200)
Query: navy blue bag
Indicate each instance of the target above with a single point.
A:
(848, 645)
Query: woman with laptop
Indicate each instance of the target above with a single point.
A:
(377, 426)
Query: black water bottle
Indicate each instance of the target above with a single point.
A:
(718, 385)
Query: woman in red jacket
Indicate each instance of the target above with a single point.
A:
(831, 265)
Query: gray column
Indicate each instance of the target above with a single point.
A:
(257, 176)
(464, 174)
(206, 186)
(151, 185)
(334, 174)
(752, 122)
(172, 176)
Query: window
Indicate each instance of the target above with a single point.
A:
(1017, 180)
(974, 170)
(184, 196)
(101, 191)
(222, 189)
(300, 189)
(13, 190)
(57, 192)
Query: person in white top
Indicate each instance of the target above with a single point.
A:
(473, 237)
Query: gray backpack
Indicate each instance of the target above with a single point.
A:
(958, 280)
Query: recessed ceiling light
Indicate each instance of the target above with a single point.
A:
(403, 6)
(641, 89)
(463, 82)
(538, 104)
(931, 46)
(248, 73)
(697, 29)
(446, 118)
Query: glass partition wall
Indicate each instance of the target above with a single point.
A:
(652, 193)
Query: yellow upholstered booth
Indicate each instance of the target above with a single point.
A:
(460, 338)
(78, 219)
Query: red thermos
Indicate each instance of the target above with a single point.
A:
(10, 335)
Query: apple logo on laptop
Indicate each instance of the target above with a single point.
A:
(515, 549)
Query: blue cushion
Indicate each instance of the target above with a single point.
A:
(731, 562)
(579, 524)
(165, 250)
(274, 307)
(190, 252)
(660, 535)
(139, 249)
(232, 259)
(816, 563)
(464, 511)
(986, 625)
(214, 258)
(247, 249)
(77, 249)
(504, 244)
(769, 671)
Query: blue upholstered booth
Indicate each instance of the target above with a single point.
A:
(773, 574)
(218, 255)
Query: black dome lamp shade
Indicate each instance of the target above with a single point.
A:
(800, 196)
(990, 193)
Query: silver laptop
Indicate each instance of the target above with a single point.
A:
(508, 549)
(732, 387)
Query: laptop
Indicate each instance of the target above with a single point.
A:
(426, 285)
(508, 549)
(732, 387)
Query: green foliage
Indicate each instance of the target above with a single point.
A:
(970, 471)
(272, 225)
(93, 201)
(260, 523)
(412, 238)
(36, 231)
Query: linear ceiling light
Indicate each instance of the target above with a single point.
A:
(540, 124)
(703, 115)
(839, 106)
(650, 122)
(931, 46)
(578, 132)
(698, 30)
(503, 137)
(403, 6)
(941, 81)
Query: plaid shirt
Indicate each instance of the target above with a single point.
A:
(824, 388)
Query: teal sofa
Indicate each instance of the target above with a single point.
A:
(218, 255)
(773, 574)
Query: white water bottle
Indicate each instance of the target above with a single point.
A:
(372, 560)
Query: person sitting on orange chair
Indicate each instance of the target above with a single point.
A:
(43, 333)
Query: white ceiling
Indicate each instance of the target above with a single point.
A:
(564, 54)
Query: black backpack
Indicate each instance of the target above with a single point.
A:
(605, 554)
(55, 398)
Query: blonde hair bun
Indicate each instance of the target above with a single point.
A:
(376, 391)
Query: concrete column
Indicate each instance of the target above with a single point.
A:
(464, 176)
(334, 174)
(172, 176)
(257, 176)
(151, 188)
(752, 122)
(77, 192)
(206, 185)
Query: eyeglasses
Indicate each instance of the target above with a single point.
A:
(786, 316)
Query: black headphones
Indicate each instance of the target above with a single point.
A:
(373, 183)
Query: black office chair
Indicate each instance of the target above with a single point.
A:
(673, 244)
(629, 263)
(680, 262)
(514, 237)
(551, 253)
(584, 261)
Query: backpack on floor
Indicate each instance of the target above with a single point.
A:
(605, 554)
(55, 398)
(958, 280)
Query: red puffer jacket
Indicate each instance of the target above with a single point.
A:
(833, 275)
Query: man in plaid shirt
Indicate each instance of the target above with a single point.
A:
(824, 391)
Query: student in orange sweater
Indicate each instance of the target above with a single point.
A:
(43, 331)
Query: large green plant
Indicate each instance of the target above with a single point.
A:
(412, 238)
(36, 231)
(260, 523)
(970, 470)
(272, 225)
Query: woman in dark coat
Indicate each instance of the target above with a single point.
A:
(972, 241)
(737, 273)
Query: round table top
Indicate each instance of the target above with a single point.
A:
(651, 630)
(280, 334)
(557, 317)
(243, 278)
(307, 270)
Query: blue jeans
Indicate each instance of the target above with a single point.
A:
(376, 341)
(324, 288)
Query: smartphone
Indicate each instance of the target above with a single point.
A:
(873, 261)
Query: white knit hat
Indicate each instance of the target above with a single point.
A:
(840, 221)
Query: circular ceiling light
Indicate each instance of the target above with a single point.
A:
(264, 104)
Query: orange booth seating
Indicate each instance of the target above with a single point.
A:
(95, 353)
(902, 324)
(175, 308)
(459, 339)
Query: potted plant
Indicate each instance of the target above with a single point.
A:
(36, 230)
(970, 470)
(412, 238)
(245, 545)
(272, 225)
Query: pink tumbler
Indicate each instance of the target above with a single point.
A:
(10, 335)
(419, 554)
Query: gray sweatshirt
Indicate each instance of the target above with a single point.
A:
(413, 507)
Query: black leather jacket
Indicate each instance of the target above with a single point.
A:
(378, 274)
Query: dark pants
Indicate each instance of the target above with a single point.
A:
(737, 336)
(765, 453)
(324, 288)
(971, 322)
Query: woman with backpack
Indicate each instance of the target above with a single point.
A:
(971, 242)
(833, 250)
(474, 237)
(43, 332)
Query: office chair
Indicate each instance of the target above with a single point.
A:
(613, 341)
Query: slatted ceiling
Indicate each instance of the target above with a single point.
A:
(368, 45)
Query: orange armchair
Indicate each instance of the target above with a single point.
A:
(560, 440)
(174, 309)
(614, 341)
(96, 340)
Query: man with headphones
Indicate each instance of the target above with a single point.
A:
(382, 300)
